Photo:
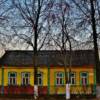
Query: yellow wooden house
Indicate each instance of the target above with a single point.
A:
(17, 72)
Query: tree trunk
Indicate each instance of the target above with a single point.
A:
(96, 55)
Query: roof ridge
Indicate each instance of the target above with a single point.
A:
(49, 50)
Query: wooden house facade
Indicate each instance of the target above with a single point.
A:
(17, 72)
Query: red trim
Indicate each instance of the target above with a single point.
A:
(54, 66)
(84, 66)
(22, 67)
(18, 90)
(43, 90)
(24, 90)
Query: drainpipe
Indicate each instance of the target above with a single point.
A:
(48, 79)
(2, 88)
(94, 87)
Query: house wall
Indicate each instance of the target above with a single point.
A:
(77, 70)
(61, 89)
(48, 82)
(19, 89)
(18, 71)
(24, 69)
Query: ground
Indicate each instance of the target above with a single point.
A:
(45, 98)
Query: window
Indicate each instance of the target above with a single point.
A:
(12, 78)
(40, 79)
(84, 78)
(72, 78)
(59, 78)
(25, 78)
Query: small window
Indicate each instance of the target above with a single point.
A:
(59, 78)
(12, 78)
(25, 78)
(40, 79)
(84, 78)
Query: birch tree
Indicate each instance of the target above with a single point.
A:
(34, 16)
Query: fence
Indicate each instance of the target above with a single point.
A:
(74, 89)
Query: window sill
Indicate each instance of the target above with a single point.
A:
(12, 85)
(25, 85)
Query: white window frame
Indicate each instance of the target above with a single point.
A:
(23, 76)
(84, 77)
(60, 78)
(12, 78)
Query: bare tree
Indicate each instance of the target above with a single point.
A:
(34, 14)
(89, 12)
(96, 54)
(63, 34)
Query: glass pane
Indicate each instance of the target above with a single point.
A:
(61, 81)
(23, 81)
(14, 81)
(84, 81)
(12, 75)
(40, 82)
(26, 81)
(26, 74)
(10, 81)
(39, 75)
(59, 75)
(57, 81)
(73, 81)
(84, 74)
(72, 75)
